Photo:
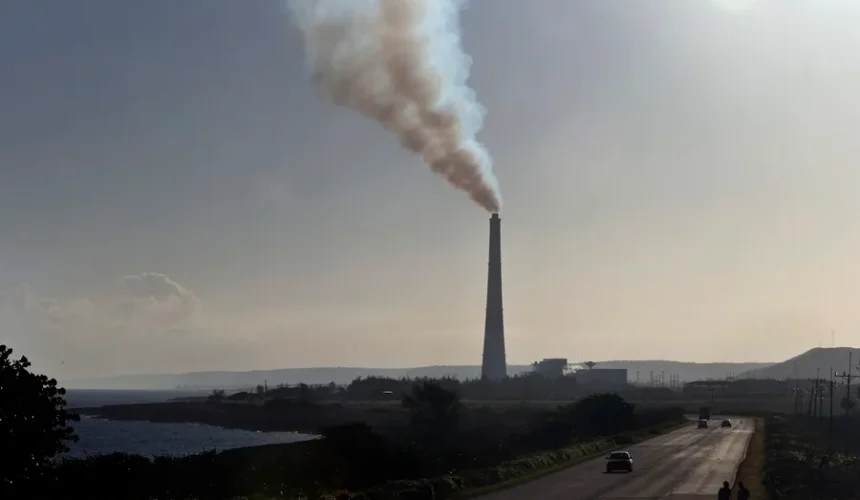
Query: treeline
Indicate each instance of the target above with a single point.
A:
(527, 386)
(433, 443)
(810, 457)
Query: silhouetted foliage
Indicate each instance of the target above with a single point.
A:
(530, 386)
(526, 386)
(434, 412)
(240, 396)
(806, 458)
(33, 423)
(120, 476)
(602, 415)
(357, 452)
(217, 395)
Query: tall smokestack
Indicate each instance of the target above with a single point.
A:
(494, 366)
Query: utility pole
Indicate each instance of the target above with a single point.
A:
(800, 401)
(796, 397)
(848, 381)
(821, 400)
(847, 378)
(814, 401)
(663, 379)
(710, 388)
(831, 399)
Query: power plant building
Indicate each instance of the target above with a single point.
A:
(602, 376)
(494, 365)
(551, 367)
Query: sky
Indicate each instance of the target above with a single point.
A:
(679, 182)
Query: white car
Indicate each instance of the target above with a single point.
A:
(619, 460)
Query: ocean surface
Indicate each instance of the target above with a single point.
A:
(98, 436)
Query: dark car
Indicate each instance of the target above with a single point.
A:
(703, 424)
(726, 423)
(619, 460)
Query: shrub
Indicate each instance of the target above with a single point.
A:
(33, 424)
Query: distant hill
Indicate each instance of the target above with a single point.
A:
(343, 375)
(818, 360)
(245, 379)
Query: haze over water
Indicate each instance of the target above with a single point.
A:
(99, 436)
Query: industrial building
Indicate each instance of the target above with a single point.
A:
(494, 364)
(607, 377)
(551, 367)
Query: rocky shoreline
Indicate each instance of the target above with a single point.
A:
(305, 419)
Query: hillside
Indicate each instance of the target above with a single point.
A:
(818, 360)
(343, 375)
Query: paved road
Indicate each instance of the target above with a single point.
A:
(687, 464)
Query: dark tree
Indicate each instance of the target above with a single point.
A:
(306, 394)
(33, 422)
(434, 412)
(357, 456)
(602, 414)
(217, 395)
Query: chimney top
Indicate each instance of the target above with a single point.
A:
(494, 216)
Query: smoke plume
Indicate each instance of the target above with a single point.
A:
(401, 63)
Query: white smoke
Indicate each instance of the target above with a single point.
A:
(401, 63)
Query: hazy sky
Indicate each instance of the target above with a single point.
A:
(680, 181)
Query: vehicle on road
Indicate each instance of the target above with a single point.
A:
(619, 460)
(705, 413)
(726, 423)
(703, 424)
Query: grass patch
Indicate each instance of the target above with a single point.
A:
(805, 460)
(471, 483)
(538, 465)
(750, 469)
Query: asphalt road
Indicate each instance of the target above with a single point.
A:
(686, 464)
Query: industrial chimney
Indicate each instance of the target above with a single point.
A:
(494, 366)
